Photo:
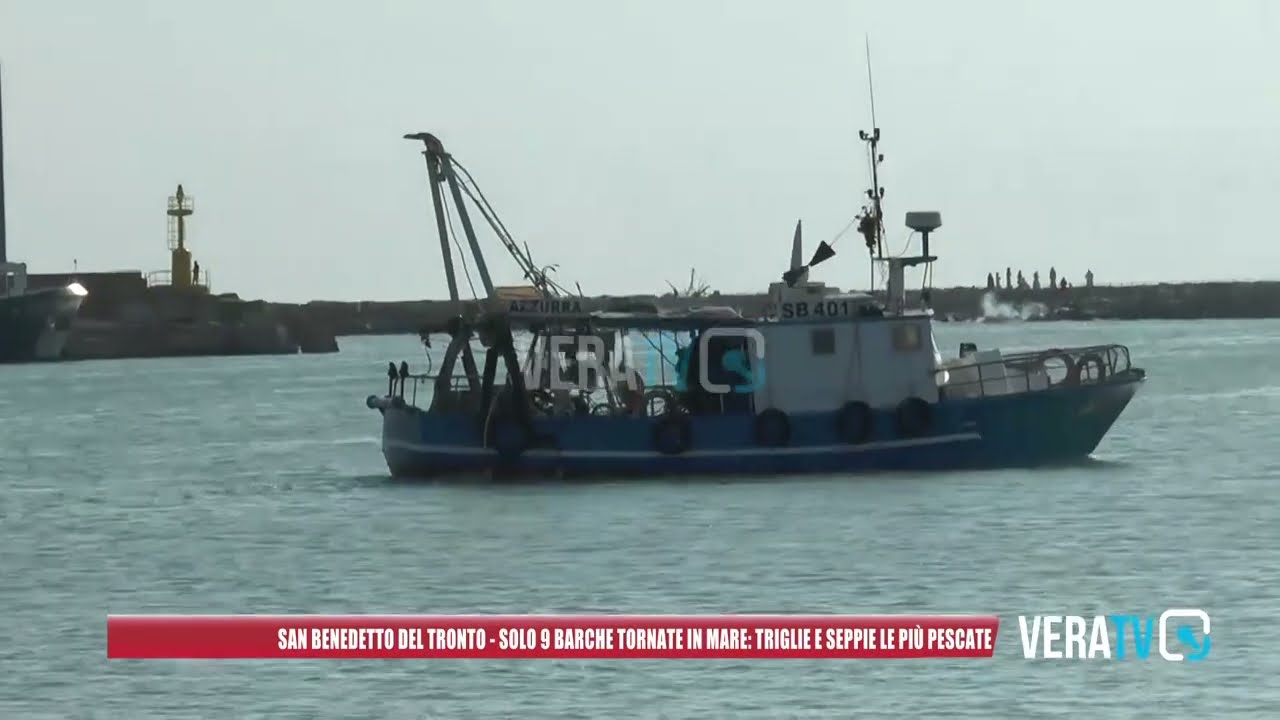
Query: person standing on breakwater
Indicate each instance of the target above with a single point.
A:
(1008, 278)
(195, 274)
(991, 283)
(1035, 280)
(1053, 277)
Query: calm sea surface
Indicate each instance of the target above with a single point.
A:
(257, 485)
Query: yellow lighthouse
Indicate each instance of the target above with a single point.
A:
(181, 207)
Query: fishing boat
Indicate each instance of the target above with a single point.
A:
(34, 323)
(539, 381)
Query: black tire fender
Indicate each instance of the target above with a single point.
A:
(773, 428)
(854, 423)
(914, 417)
(673, 434)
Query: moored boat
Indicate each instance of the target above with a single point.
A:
(34, 324)
(829, 381)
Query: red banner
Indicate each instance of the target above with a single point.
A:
(551, 636)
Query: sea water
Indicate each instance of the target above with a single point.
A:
(256, 485)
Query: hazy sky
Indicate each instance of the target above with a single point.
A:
(630, 141)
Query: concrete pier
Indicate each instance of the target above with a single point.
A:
(122, 317)
(1180, 301)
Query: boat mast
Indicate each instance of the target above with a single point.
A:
(442, 167)
(870, 218)
(4, 257)
(872, 223)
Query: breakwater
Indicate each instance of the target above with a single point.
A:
(1117, 302)
(123, 318)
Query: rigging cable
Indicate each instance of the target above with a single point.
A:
(466, 182)
(531, 273)
(525, 258)
(466, 270)
(485, 201)
(907, 246)
(871, 88)
(662, 356)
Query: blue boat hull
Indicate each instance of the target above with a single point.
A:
(1035, 428)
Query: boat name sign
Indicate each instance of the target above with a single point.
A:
(566, 306)
(818, 308)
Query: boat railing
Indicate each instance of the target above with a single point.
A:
(415, 380)
(456, 390)
(452, 395)
(1032, 371)
(164, 278)
(456, 395)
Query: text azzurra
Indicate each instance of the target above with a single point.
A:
(566, 306)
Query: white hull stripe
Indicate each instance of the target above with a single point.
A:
(727, 453)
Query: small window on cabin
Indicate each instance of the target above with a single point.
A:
(906, 338)
(823, 341)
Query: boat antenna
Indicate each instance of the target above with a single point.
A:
(871, 223)
(3, 251)
(871, 88)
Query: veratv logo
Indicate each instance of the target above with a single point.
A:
(1057, 637)
(568, 362)
(733, 361)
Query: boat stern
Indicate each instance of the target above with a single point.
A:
(420, 444)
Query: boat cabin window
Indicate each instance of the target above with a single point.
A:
(725, 360)
(823, 341)
(906, 337)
